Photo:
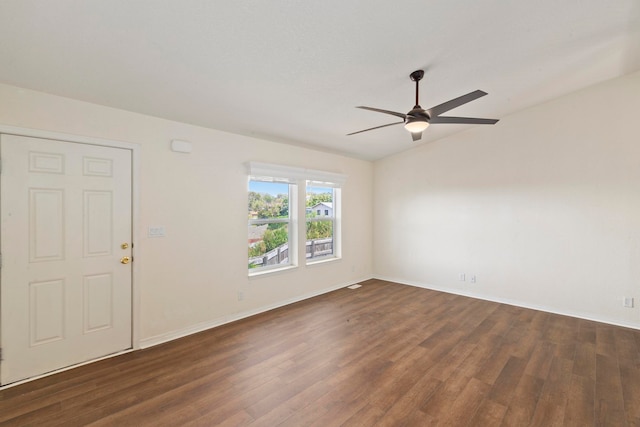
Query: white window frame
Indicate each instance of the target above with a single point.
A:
(298, 178)
(290, 221)
(336, 199)
(262, 172)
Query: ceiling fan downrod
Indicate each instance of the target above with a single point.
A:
(416, 76)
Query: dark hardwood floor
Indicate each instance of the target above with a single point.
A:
(384, 354)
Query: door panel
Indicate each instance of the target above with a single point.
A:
(98, 302)
(46, 224)
(65, 297)
(46, 312)
(98, 219)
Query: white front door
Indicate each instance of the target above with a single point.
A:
(65, 286)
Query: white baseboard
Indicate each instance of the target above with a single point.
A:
(170, 336)
(515, 303)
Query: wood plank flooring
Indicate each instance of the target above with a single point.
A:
(381, 355)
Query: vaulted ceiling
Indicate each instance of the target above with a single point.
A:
(293, 71)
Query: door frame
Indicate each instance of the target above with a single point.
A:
(135, 220)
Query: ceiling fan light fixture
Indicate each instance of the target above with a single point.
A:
(416, 125)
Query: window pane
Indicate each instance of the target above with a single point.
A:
(269, 216)
(268, 200)
(319, 202)
(319, 238)
(268, 244)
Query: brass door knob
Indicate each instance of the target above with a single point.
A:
(125, 260)
(124, 245)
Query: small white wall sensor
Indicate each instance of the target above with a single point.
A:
(181, 146)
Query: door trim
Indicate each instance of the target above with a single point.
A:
(135, 218)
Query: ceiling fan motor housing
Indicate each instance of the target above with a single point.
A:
(417, 115)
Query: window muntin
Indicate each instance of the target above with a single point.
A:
(269, 221)
(320, 222)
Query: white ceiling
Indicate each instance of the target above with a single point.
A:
(293, 71)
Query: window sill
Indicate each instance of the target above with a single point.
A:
(321, 261)
(271, 271)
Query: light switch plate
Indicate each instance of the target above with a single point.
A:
(156, 231)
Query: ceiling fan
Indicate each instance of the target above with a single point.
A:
(418, 119)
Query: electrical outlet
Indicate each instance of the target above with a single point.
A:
(240, 295)
(462, 277)
(627, 302)
(473, 279)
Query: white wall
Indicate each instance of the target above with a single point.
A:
(190, 279)
(544, 207)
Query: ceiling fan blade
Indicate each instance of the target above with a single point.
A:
(456, 102)
(377, 127)
(416, 136)
(463, 120)
(393, 113)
